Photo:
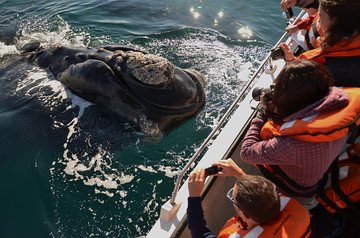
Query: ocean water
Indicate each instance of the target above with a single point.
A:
(66, 168)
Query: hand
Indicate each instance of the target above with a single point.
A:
(315, 42)
(291, 29)
(288, 54)
(266, 103)
(229, 168)
(285, 4)
(196, 183)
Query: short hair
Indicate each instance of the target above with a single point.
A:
(257, 197)
(345, 15)
(299, 84)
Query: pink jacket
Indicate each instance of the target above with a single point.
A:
(304, 162)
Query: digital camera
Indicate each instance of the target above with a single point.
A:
(277, 53)
(212, 170)
(256, 93)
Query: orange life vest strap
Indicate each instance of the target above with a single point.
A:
(343, 196)
(324, 127)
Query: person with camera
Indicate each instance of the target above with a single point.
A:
(301, 130)
(260, 210)
(339, 49)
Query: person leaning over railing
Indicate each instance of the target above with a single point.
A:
(261, 211)
(339, 51)
(303, 128)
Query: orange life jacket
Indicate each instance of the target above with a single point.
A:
(348, 173)
(293, 221)
(322, 127)
(342, 49)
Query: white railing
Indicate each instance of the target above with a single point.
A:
(223, 119)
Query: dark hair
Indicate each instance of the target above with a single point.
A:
(257, 197)
(299, 84)
(345, 15)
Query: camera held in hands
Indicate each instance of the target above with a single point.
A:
(277, 53)
(212, 170)
(265, 97)
(256, 93)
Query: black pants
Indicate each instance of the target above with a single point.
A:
(331, 225)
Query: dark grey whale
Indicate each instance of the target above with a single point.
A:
(128, 82)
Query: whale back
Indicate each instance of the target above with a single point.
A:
(156, 80)
(58, 58)
(128, 82)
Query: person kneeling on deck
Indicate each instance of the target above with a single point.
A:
(260, 210)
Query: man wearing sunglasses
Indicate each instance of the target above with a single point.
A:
(260, 210)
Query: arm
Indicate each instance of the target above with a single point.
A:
(274, 151)
(288, 54)
(296, 26)
(195, 213)
(196, 221)
(292, 29)
(285, 4)
(306, 23)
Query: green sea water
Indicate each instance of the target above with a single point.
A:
(69, 170)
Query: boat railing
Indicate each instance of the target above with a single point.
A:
(224, 118)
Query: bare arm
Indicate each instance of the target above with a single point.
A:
(285, 4)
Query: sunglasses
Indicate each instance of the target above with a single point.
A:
(230, 195)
